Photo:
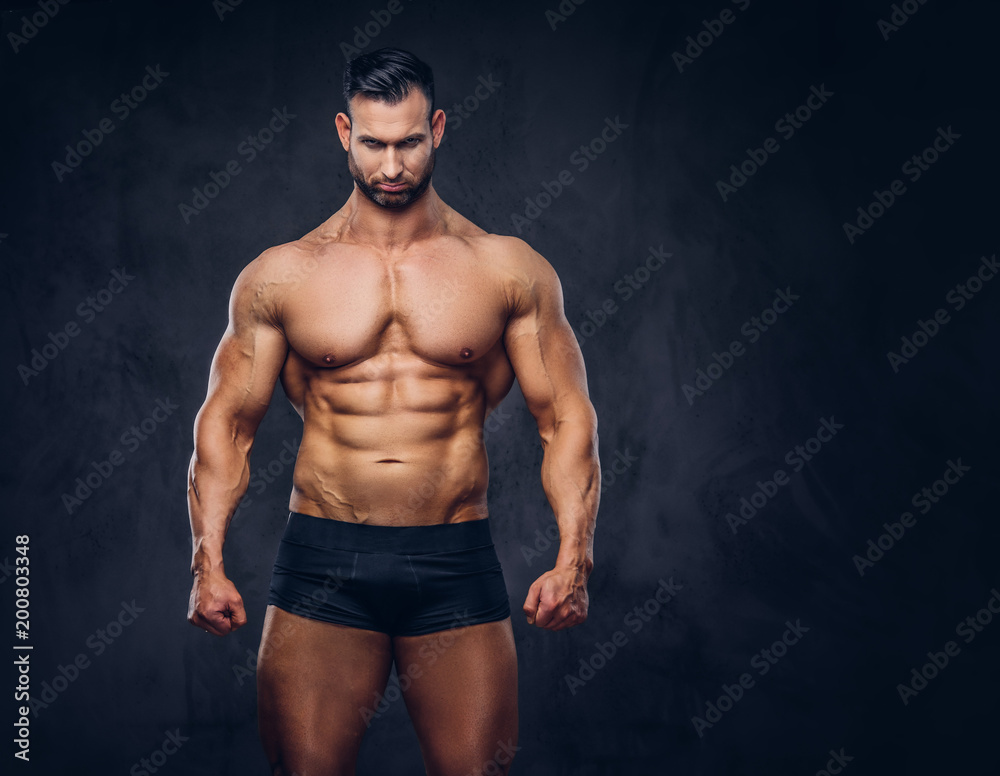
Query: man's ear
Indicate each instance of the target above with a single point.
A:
(437, 126)
(343, 122)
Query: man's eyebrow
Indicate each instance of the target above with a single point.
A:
(414, 135)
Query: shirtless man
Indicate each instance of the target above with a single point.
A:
(395, 327)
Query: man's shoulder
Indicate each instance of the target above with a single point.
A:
(284, 253)
(261, 288)
(499, 249)
(281, 264)
(529, 281)
(512, 254)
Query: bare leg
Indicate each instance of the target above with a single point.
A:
(462, 697)
(313, 681)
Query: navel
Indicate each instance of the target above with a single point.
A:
(466, 353)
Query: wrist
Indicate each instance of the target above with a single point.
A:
(204, 563)
(582, 564)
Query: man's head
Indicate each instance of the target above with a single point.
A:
(390, 130)
(388, 75)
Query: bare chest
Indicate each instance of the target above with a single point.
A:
(350, 306)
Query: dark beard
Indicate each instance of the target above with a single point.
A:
(389, 199)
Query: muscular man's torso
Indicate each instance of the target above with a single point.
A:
(394, 361)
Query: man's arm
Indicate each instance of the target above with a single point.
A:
(549, 367)
(244, 370)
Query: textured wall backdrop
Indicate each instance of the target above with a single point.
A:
(775, 225)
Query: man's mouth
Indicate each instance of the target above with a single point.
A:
(392, 186)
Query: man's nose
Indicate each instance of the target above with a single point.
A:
(392, 164)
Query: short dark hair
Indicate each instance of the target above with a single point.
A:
(388, 75)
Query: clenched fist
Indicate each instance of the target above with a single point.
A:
(557, 599)
(215, 604)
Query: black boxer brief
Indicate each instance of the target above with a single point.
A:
(400, 580)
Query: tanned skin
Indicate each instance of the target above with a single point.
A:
(395, 328)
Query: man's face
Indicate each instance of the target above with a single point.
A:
(390, 150)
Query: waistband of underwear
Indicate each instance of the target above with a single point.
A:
(405, 540)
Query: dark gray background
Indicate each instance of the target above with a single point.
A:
(665, 515)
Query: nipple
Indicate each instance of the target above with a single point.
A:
(466, 353)
(329, 358)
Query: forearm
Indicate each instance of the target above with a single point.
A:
(217, 479)
(571, 478)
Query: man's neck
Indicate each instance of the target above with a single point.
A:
(393, 229)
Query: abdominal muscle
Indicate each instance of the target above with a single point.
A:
(404, 449)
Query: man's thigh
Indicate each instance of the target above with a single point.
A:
(461, 693)
(314, 681)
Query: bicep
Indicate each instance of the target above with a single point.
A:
(244, 371)
(545, 355)
(247, 361)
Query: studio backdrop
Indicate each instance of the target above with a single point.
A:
(775, 227)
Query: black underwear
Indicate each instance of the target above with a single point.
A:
(400, 580)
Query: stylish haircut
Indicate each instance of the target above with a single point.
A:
(388, 75)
